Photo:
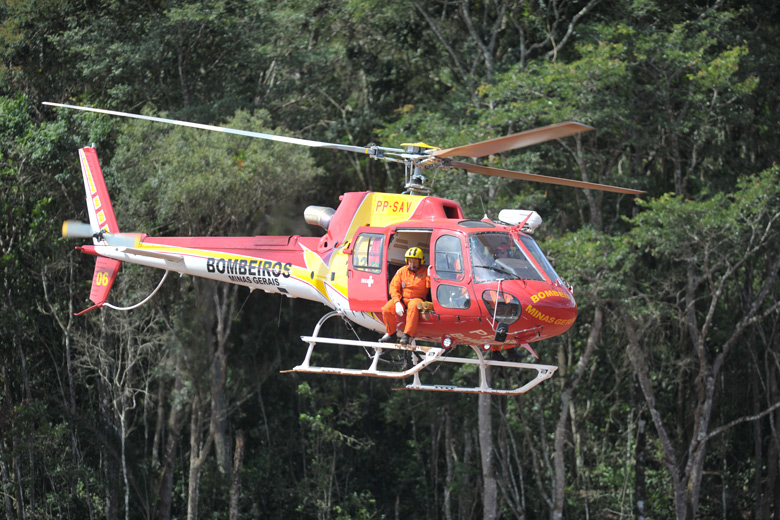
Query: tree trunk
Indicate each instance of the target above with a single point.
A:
(510, 461)
(224, 304)
(28, 398)
(592, 197)
(466, 501)
(110, 470)
(235, 484)
(771, 487)
(489, 485)
(561, 429)
(6, 480)
(640, 457)
(19, 491)
(449, 457)
(669, 458)
(159, 422)
(123, 443)
(165, 495)
(65, 326)
(758, 463)
(198, 453)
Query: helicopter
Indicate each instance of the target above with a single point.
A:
(491, 287)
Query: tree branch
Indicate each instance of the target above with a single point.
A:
(717, 431)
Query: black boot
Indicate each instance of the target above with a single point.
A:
(387, 338)
(405, 339)
(496, 355)
(512, 354)
(406, 363)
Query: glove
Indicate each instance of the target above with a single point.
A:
(399, 308)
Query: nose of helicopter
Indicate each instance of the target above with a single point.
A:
(550, 306)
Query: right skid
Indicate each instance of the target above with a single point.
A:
(422, 357)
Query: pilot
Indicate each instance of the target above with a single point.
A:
(503, 250)
(486, 263)
(409, 286)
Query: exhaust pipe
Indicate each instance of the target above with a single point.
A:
(318, 216)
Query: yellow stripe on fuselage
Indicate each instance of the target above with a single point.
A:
(314, 264)
(262, 265)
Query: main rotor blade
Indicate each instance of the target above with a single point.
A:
(519, 140)
(258, 135)
(497, 172)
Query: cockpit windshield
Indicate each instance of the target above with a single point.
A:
(497, 256)
(533, 248)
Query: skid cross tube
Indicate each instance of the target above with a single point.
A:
(422, 357)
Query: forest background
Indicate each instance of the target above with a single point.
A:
(666, 401)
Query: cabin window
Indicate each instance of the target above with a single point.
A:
(367, 254)
(453, 296)
(475, 224)
(448, 259)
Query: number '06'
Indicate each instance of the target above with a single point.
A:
(101, 278)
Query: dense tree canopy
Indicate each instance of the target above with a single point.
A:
(666, 403)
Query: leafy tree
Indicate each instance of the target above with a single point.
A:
(677, 306)
(717, 284)
(231, 203)
(32, 170)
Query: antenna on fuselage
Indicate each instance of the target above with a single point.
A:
(483, 208)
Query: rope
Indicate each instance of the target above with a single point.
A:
(141, 302)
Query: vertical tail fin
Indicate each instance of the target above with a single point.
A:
(101, 220)
(101, 212)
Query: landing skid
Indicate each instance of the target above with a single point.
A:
(422, 357)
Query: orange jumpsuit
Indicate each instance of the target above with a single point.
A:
(410, 289)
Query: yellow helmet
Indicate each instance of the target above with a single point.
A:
(414, 252)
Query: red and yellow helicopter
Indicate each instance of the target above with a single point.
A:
(478, 298)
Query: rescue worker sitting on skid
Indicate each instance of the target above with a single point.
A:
(409, 287)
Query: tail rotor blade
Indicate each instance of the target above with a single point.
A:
(76, 229)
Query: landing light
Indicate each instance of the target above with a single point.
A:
(446, 342)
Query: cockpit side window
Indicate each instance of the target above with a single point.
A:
(497, 256)
(448, 258)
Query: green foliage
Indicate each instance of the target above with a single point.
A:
(325, 491)
(698, 233)
(220, 186)
(684, 100)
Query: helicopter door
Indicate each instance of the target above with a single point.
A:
(367, 271)
(452, 293)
